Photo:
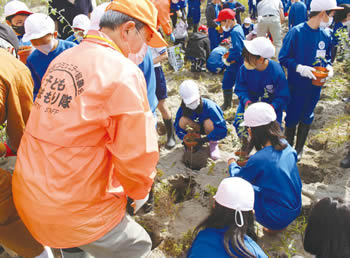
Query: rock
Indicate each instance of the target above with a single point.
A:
(309, 171)
(318, 109)
(318, 142)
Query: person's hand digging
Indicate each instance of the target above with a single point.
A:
(200, 142)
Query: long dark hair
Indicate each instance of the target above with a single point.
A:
(327, 234)
(249, 57)
(340, 15)
(222, 217)
(271, 132)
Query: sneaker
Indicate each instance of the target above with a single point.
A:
(214, 150)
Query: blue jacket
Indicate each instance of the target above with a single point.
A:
(209, 243)
(277, 185)
(235, 52)
(337, 27)
(301, 46)
(297, 14)
(180, 5)
(38, 62)
(209, 111)
(270, 85)
(148, 71)
(214, 62)
(73, 38)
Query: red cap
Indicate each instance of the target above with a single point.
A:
(203, 28)
(225, 41)
(226, 14)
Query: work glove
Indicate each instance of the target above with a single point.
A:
(200, 142)
(137, 204)
(306, 71)
(224, 60)
(330, 71)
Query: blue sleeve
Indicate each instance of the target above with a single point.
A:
(286, 55)
(241, 88)
(220, 129)
(291, 18)
(179, 131)
(235, 52)
(282, 95)
(249, 172)
(36, 79)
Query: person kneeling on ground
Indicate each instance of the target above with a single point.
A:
(198, 49)
(327, 234)
(272, 169)
(201, 115)
(225, 231)
(214, 62)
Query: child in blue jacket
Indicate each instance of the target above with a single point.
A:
(224, 233)
(303, 45)
(260, 79)
(202, 115)
(297, 14)
(272, 170)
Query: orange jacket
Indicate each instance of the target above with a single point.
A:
(16, 96)
(90, 141)
(163, 7)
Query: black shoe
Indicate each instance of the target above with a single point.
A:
(227, 100)
(303, 131)
(170, 134)
(345, 163)
(1, 249)
(148, 206)
(289, 132)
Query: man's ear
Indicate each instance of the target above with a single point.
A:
(127, 27)
(8, 23)
(55, 34)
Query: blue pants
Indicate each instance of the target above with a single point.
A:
(194, 11)
(302, 104)
(214, 38)
(239, 117)
(230, 75)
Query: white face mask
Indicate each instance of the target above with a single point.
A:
(247, 25)
(326, 24)
(194, 104)
(138, 57)
(226, 28)
(46, 48)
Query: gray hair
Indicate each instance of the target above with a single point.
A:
(113, 19)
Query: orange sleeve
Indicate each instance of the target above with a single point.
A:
(133, 139)
(3, 97)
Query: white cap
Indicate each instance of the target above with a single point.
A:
(324, 5)
(82, 22)
(259, 114)
(237, 194)
(96, 16)
(16, 7)
(255, 29)
(247, 20)
(260, 46)
(189, 91)
(37, 26)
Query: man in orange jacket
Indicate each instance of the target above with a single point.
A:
(90, 141)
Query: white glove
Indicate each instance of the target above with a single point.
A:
(225, 61)
(330, 71)
(137, 204)
(306, 71)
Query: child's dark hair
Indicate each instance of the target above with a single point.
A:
(270, 132)
(327, 234)
(313, 14)
(341, 15)
(250, 58)
(222, 217)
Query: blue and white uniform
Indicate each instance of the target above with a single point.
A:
(268, 86)
(210, 110)
(209, 243)
(297, 14)
(302, 45)
(38, 62)
(277, 185)
(235, 54)
(214, 62)
(246, 31)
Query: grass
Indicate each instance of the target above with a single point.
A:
(176, 248)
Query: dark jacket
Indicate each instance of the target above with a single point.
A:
(198, 46)
(210, 14)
